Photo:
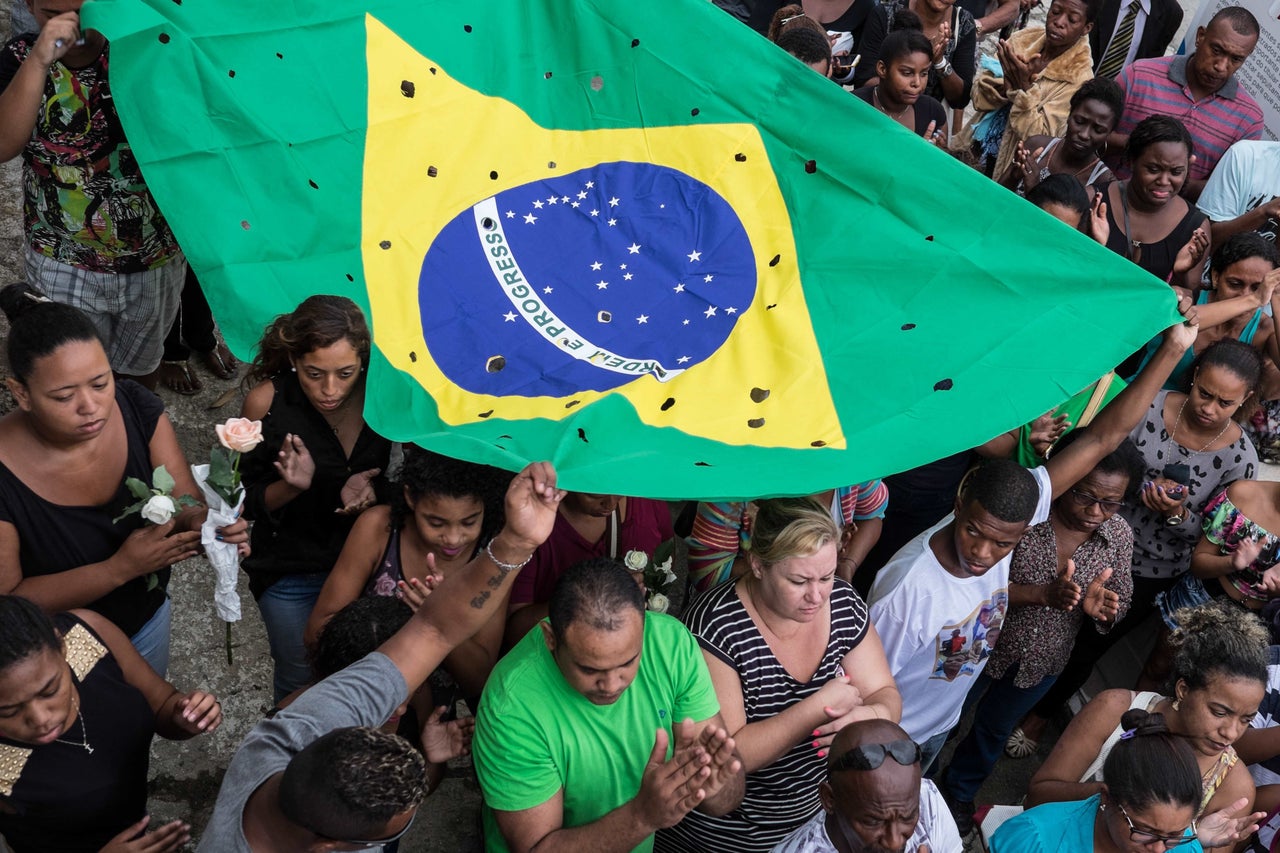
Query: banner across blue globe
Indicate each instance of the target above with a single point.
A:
(585, 281)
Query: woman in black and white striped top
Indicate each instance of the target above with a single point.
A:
(794, 659)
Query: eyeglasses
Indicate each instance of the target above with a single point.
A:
(869, 756)
(1085, 500)
(374, 845)
(1143, 837)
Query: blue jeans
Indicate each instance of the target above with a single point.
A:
(285, 608)
(930, 748)
(1001, 707)
(152, 639)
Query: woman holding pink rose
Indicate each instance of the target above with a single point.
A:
(65, 454)
(316, 469)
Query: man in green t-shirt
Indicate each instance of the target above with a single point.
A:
(577, 744)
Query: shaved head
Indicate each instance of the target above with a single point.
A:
(874, 810)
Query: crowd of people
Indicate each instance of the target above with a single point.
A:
(827, 648)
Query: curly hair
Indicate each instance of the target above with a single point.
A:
(426, 473)
(1218, 639)
(355, 631)
(319, 322)
(350, 782)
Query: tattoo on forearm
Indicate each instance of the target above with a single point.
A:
(495, 581)
(479, 600)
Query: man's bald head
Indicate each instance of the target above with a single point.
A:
(874, 808)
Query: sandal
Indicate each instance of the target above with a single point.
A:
(220, 361)
(1019, 745)
(177, 376)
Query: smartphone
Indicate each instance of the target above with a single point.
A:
(1180, 473)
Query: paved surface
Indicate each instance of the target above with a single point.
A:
(185, 776)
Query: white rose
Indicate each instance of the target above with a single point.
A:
(668, 578)
(637, 561)
(659, 603)
(665, 566)
(159, 509)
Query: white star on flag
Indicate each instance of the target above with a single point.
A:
(537, 203)
(708, 278)
(575, 204)
(548, 290)
(564, 198)
(582, 195)
(509, 317)
(634, 248)
(710, 312)
(627, 277)
(643, 318)
(602, 285)
(612, 222)
(695, 256)
(613, 202)
(590, 184)
(684, 359)
(731, 310)
(530, 218)
(552, 200)
(679, 288)
(511, 214)
(595, 213)
(596, 266)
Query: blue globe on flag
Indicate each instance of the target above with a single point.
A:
(585, 282)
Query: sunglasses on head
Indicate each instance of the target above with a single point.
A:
(869, 756)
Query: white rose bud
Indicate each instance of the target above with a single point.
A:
(665, 566)
(659, 603)
(669, 577)
(637, 561)
(159, 509)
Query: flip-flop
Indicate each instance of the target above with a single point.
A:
(1019, 745)
(177, 376)
(220, 361)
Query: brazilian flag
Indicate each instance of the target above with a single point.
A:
(633, 238)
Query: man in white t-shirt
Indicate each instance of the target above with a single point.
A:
(874, 798)
(1243, 193)
(938, 604)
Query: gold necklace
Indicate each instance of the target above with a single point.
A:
(875, 96)
(1178, 422)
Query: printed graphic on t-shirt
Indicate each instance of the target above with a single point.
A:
(963, 646)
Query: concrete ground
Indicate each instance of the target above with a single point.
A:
(185, 776)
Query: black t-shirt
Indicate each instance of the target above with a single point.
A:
(54, 538)
(927, 110)
(305, 535)
(62, 796)
(851, 21)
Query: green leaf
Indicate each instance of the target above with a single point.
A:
(153, 581)
(663, 551)
(162, 481)
(220, 473)
(132, 508)
(186, 500)
(137, 488)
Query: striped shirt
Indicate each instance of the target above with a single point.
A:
(782, 796)
(1159, 87)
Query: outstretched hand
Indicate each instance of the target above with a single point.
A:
(1182, 335)
(1099, 227)
(169, 838)
(1062, 592)
(1192, 253)
(1220, 828)
(357, 493)
(441, 741)
(197, 713)
(1099, 602)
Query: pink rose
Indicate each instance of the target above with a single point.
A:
(240, 434)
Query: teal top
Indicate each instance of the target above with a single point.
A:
(1059, 828)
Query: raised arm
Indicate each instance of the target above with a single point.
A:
(350, 575)
(1125, 412)
(20, 101)
(465, 601)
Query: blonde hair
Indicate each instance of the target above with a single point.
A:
(790, 527)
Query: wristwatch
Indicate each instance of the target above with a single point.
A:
(944, 69)
(1174, 520)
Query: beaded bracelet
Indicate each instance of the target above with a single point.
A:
(506, 568)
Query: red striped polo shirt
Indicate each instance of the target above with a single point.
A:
(1159, 87)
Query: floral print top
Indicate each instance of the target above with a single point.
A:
(1226, 526)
